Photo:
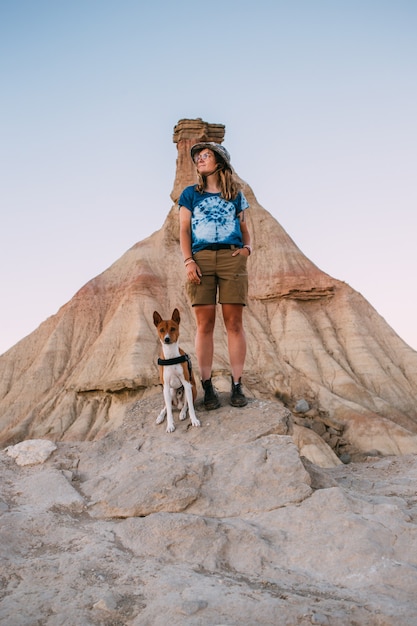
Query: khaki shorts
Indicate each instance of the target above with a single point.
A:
(223, 274)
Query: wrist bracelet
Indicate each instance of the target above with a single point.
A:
(248, 247)
(188, 258)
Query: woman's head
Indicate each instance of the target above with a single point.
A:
(219, 152)
(207, 162)
(212, 158)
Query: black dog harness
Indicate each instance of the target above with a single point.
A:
(183, 358)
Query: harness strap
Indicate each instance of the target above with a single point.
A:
(183, 358)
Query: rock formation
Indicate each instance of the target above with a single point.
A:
(105, 519)
(310, 337)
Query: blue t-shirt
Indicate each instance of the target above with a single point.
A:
(213, 219)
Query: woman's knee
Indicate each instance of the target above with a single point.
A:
(206, 328)
(234, 324)
(234, 327)
(205, 318)
(232, 316)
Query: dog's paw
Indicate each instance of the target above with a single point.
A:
(183, 414)
(160, 418)
(196, 422)
(170, 428)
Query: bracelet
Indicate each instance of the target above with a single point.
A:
(248, 247)
(188, 258)
(189, 261)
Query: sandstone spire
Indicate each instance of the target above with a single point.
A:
(310, 337)
(186, 134)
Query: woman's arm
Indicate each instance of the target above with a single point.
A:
(245, 237)
(191, 267)
(245, 232)
(185, 233)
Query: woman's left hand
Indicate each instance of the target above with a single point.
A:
(243, 251)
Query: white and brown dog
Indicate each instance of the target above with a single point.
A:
(175, 373)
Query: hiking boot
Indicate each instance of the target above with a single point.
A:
(211, 399)
(238, 398)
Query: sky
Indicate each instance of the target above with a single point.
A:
(319, 100)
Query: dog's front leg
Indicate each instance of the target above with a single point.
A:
(183, 413)
(189, 400)
(168, 408)
(161, 416)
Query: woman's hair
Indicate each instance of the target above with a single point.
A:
(229, 186)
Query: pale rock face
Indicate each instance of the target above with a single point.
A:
(31, 452)
(309, 337)
(223, 524)
(312, 447)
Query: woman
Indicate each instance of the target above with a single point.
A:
(215, 244)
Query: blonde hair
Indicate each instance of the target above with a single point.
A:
(229, 186)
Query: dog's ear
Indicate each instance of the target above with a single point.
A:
(157, 319)
(176, 316)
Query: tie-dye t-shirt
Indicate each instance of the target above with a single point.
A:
(213, 219)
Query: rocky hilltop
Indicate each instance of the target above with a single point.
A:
(310, 338)
(220, 525)
(257, 517)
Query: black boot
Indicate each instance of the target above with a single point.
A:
(238, 398)
(211, 399)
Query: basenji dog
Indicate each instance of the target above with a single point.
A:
(175, 372)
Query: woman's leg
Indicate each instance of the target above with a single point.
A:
(236, 338)
(204, 347)
(236, 341)
(205, 317)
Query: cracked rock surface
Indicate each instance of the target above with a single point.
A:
(223, 524)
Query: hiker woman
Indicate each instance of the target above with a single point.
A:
(215, 244)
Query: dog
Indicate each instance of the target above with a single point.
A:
(175, 373)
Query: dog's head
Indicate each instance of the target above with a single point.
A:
(168, 330)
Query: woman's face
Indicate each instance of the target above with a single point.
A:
(205, 161)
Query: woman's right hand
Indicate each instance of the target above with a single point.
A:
(193, 273)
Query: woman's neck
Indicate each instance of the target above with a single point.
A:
(212, 183)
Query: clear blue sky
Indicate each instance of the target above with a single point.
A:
(319, 100)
